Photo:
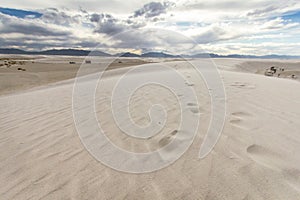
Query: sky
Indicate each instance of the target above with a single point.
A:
(256, 27)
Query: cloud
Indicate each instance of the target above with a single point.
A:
(263, 48)
(223, 5)
(34, 43)
(27, 27)
(262, 11)
(153, 9)
(278, 23)
(54, 16)
(109, 25)
(117, 24)
(100, 17)
(215, 33)
(153, 39)
(96, 6)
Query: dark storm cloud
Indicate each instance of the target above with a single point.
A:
(152, 9)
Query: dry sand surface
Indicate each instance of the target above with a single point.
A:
(256, 157)
(18, 73)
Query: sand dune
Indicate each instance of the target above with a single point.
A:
(256, 157)
(259, 66)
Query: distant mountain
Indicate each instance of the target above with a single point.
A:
(127, 54)
(66, 52)
(12, 51)
(205, 55)
(63, 52)
(147, 55)
(210, 55)
(158, 55)
(280, 57)
(99, 53)
(76, 52)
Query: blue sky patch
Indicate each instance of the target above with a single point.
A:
(184, 23)
(295, 16)
(20, 13)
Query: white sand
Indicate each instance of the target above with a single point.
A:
(256, 157)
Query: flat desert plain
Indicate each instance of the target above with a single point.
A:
(256, 157)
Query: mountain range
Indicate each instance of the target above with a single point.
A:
(76, 52)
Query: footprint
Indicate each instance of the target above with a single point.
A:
(240, 120)
(164, 141)
(241, 114)
(174, 132)
(191, 104)
(265, 157)
(167, 139)
(235, 121)
(238, 84)
(243, 85)
(238, 123)
(255, 149)
(194, 110)
(189, 84)
(193, 107)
